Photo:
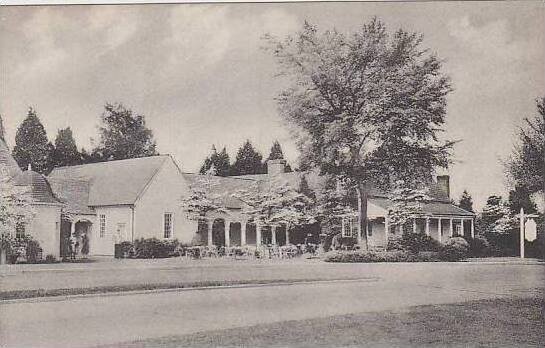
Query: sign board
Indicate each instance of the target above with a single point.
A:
(530, 228)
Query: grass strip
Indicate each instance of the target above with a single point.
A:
(36, 293)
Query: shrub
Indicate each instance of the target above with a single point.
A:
(413, 242)
(456, 249)
(380, 256)
(154, 248)
(127, 249)
(478, 246)
(49, 258)
(33, 251)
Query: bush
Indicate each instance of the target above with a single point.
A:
(414, 243)
(456, 249)
(478, 246)
(50, 259)
(127, 249)
(152, 248)
(380, 256)
(33, 251)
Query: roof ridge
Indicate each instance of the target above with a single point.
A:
(112, 161)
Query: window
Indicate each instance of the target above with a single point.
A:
(102, 225)
(20, 230)
(349, 226)
(167, 225)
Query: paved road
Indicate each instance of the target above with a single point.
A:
(87, 321)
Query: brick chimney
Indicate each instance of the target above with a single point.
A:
(277, 166)
(443, 184)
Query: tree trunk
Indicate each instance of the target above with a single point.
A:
(362, 192)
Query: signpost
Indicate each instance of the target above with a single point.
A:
(528, 229)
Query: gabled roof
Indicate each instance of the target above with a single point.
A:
(430, 208)
(114, 182)
(7, 161)
(38, 187)
(74, 194)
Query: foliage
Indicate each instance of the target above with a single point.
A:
(466, 201)
(15, 208)
(381, 256)
(276, 151)
(406, 203)
(49, 258)
(247, 161)
(153, 248)
(123, 134)
(455, 249)
(365, 107)
(127, 249)
(526, 166)
(31, 145)
(305, 189)
(65, 152)
(278, 203)
(414, 242)
(519, 197)
(478, 246)
(219, 163)
(203, 197)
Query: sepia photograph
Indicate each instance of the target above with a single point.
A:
(272, 174)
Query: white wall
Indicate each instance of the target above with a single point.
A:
(45, 228)
(164, 195)
(114, 215)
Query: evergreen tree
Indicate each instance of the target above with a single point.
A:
(123, 134)
(31, 145)
(220, 161)
(492, 211)
(276, 151)
(2, 130)
(66, 152)
(466, 202)
(248, 161)
(520, 198)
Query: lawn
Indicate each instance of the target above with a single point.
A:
(515, 322)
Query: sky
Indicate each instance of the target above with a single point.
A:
(200, 76)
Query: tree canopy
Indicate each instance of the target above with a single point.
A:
(219, 161)
(123, 134)
(526, 166)
(365, 107)
(276, 151)
(31, 144)
(66, 151)
(247, 161)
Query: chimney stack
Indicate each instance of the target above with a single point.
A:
(277, 166)
(443, 183)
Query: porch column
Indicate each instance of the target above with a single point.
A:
(472, 228)
(227, 229)
(440, 229)
(451, 231)
(210, 225)
(257, 234)
(73, 228)
(273, 234)
(386, 228)
(287, 235)
(427, 226)
(243, 233)
(414, 225)
(358, 230)
(463, 230)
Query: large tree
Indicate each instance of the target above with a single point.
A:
(365, 107)
(15, 208)
(123, 134)
(276, 151)
(31, 144)
(66, 152)
(219, 161)
(526, 166)
(248, 161)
